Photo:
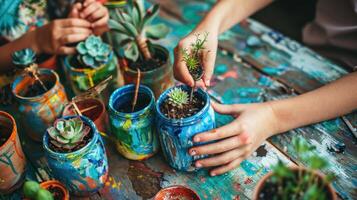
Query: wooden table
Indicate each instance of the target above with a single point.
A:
(273, 67)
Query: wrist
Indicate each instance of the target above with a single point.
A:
(274, 120)
(34, 44)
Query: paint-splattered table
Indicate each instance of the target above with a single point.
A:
(254, 64)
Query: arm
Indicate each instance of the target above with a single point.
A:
(255, 123)
(224, 14)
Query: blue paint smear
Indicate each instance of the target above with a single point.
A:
(221, 69)
(265, 81)
(249, 168)
(253, 41)
(275, 71)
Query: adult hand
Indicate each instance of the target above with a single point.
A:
(208, 58)
(54, 37)
(254, 123)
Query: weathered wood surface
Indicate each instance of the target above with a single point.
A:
(273, 68)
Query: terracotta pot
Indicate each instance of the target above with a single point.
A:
(97, 114)
(262, 181)
(12, 159)
(158, 80)
(176, 192)
(57, 184)
(39, 112)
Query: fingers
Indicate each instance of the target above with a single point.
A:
(97, 14)
(225, 168)
(208, 60)
(219, 133)
(72, 38)
(181, 72)
(75, 11)
(87, 2)
(89, 9)
(218, 147)
(66, 50)
(101, 22)
(221, 159)
(227, 109)
(76, 30)
(74, 22)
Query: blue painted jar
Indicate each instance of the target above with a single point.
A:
(39, 112)
(83, 171)
(134, 132)
(176, 134)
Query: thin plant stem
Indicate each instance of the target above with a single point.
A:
(192, 89)
(76, 108)
(136, 90)
(143, 47)
(34, 74)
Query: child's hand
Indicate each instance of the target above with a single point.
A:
(54, 37)
(208, 58)
(94, 12)
(254, 123)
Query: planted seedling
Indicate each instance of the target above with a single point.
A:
(32, 190)
(192, 59)
(178, 106)
(287, 183)
(92, 53)
(68, 135)
(25, 61)
(136, 31)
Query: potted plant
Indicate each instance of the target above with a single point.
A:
(297, 182)
(39, 92)
(178, 120)
(48, 190)
(74, 147)
(134, 46)
(12, 159)
(134, 131)
(94, 62)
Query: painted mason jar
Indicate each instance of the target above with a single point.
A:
(92, 108)
(12, 159)
(83, 171)
(158, 80)
(81, 79)
(134, 132)
(176, 134)
(39, 112)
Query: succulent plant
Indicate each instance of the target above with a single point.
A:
(134, 27)
(23, 58)
(178, 97)
(93, 52)
(32, 190)
(68, 134)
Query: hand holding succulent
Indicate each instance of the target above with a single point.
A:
(178, 97)
(93, 52)
(68, 134)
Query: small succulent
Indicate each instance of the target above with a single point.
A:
(32, 190)
(68, 134)
(134, 27)
(93, 52)
(23, 58)
(178, 97)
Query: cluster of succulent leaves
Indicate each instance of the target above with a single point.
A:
(192, 57)
(178, 97)
(301, 184)
(32, 190)
(93, 52)
(134, 22)
(67, 134)
(23, 58)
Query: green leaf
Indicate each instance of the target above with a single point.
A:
(157, 31)
(318, 163)
(81, 48)
(132, 52)
(30, 189)
(151, 14)
(130, 29)
(88, 60)
(136, 17)
(115, 26)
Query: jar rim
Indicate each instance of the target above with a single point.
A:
(129, 89)
(187, 120)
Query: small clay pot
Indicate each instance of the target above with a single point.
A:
(176, 192)
(262, 182)
(57, 184)
(97, 114)
(12, 170)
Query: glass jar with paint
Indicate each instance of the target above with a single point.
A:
(12, 158)
(133, 131)
(83, 169)
(176, 134)
(39, 108)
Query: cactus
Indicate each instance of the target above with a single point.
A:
(68, 134)
(23, 58)
(93, 52)
(134, 27)
(178, 97)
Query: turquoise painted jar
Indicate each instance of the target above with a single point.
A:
(134, 132)
(176, 134)
(83, 171)
(39, 112)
